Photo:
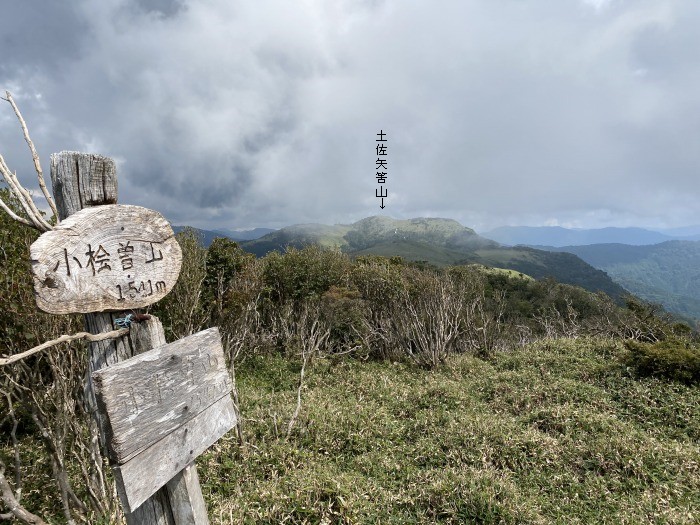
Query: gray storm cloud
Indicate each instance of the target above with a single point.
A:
(240, 114)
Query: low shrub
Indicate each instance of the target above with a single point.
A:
(673, 358)
(345, 314)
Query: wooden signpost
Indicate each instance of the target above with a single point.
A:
(163, 408)
(158, 406)
(110, 257)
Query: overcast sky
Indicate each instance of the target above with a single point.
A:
(232, 114)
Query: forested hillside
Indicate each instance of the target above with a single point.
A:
(667, 273)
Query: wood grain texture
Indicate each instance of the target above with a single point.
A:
(151, 395)
(71, 171)
(143, 475)
(112, 257)
(157, 510)
(187, 503)
(81, 180)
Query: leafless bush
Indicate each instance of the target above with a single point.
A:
(427, 318)
(523, 335)
(434, 314)
(555, 323)
(46, 392)
(242, 331)
(483, 320)
(379, 337)
(639, 320)
(301, 332)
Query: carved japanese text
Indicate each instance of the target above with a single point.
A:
(113, 257)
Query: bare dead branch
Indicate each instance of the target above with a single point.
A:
(311, 337)
(17, 191)
(24, 196)
(58, 469)
(16, 217)
(35, 218)
(64, 339)
(297, 410)
(15, 446)
(35, 156)
(13, 505)
(36, 214)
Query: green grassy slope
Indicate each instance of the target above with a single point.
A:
(556, 432)
(440, 232)
(369, 232)
(414, 251)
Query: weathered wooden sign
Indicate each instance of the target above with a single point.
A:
(163, 408)
(111, 257)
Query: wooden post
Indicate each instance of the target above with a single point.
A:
(82, 180)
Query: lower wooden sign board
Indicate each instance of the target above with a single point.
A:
(163, 408)
(139, 478)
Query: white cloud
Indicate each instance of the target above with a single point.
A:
(241, 114)
(598, 5)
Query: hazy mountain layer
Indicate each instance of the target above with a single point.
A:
(667, 273)
(557, 236)
(245, 235)
(207, 236)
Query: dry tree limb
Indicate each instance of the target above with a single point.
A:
(297, 410)
(16, 217)
(312, 338)
(63, 339)
(58, 468)
(22, 196)
(35, 156)
(15, 446)
(96, 500)
(13, 505)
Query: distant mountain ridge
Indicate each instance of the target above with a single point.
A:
(558, 236)
(369, 232)
(207, 236)
(687, 233)
(437, 241)
(245, 235)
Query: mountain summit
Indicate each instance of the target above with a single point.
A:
(441, 242)
(374, 231)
